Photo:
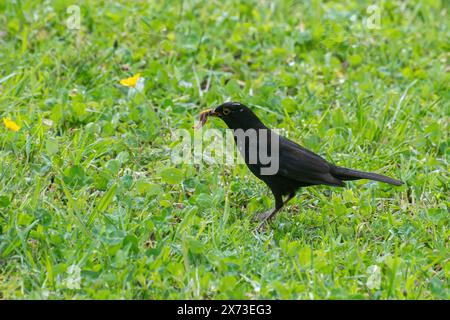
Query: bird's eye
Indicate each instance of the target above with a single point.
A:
(226, 111)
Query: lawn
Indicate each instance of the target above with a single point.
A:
(92, 207)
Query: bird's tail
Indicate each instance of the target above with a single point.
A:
(350, 174)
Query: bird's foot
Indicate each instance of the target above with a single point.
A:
(261, 217)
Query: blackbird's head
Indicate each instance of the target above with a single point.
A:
(237, 116)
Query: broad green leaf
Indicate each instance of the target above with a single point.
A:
(172, 175)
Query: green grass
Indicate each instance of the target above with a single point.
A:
(87, 189)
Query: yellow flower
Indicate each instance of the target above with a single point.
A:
(130, 82)
(11, 125)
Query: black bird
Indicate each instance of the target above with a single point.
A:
(297, 166)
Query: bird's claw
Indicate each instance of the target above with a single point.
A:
(261, 217)
(261, 226)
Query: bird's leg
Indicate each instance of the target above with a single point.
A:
(291, 195)
(265, 216)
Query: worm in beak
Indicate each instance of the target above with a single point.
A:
(204, 117)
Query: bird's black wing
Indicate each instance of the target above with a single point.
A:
(300, 164)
